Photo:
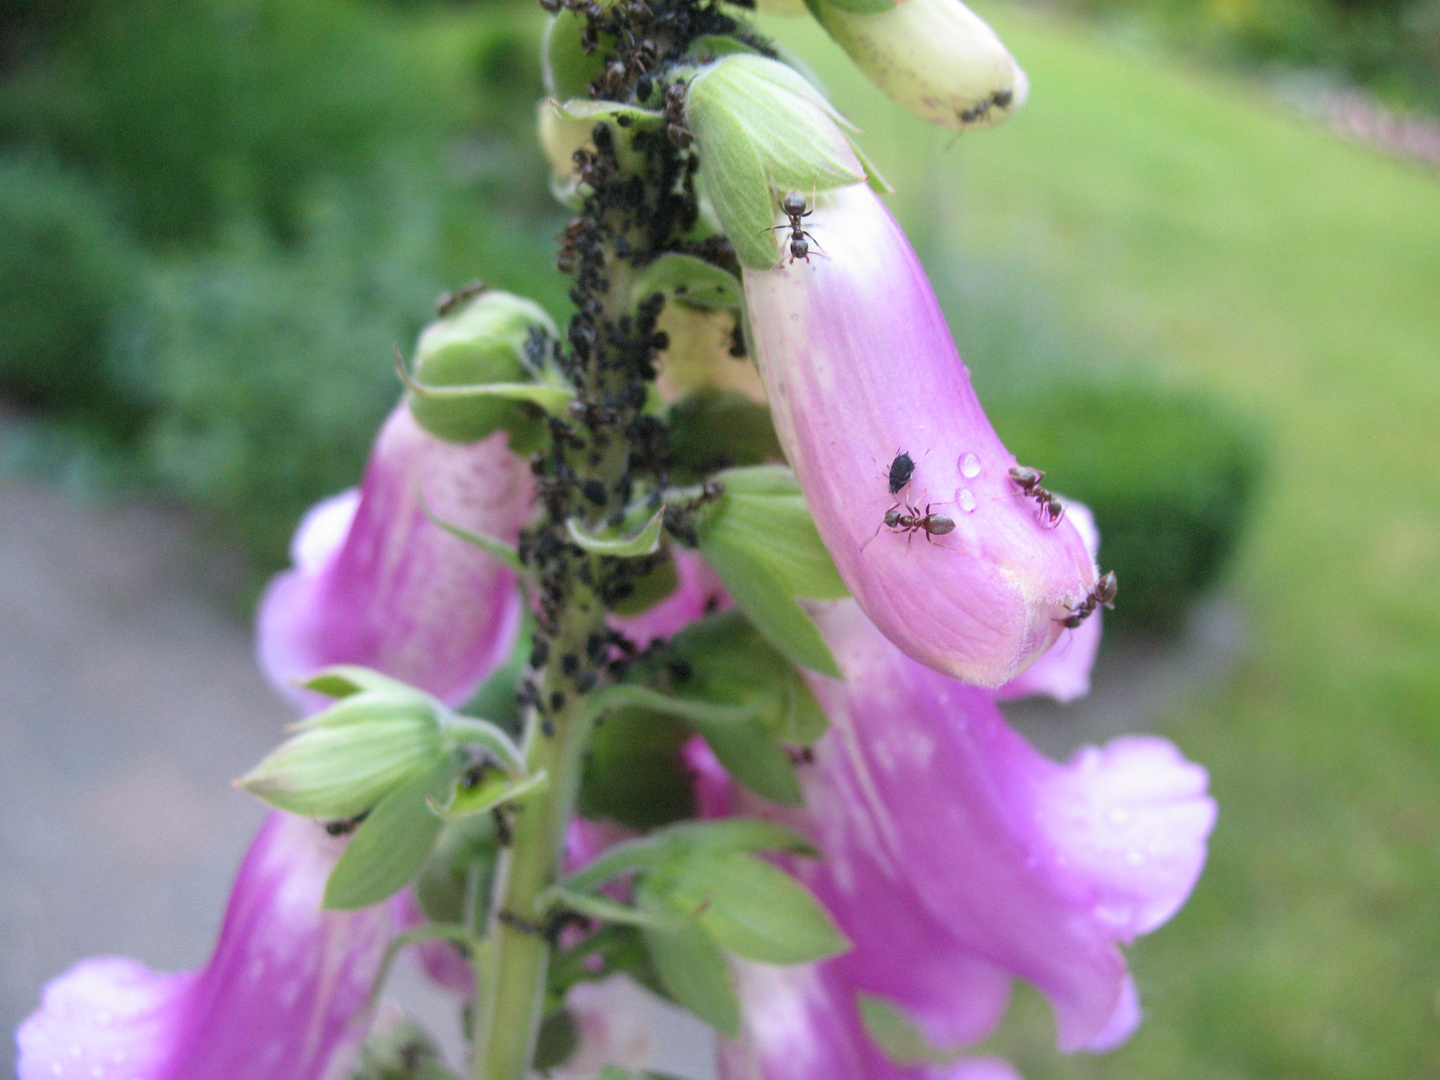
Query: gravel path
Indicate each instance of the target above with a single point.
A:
(129, 698)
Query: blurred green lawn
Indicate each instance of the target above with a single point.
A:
(1187, 221)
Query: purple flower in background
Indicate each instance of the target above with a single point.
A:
(376, 583)
(956, 857)
(282, 998)
(859, 366)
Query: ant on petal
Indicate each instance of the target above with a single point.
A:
(1102, 595)
(794, 207)
(1052, 510)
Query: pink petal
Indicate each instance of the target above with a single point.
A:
(859, 365)
(282, 998)
(377, 583)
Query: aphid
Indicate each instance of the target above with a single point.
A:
(901, 469)
(346, 826)
(1052, 510)
(449, 301)
(1101, 595)
(793, 206)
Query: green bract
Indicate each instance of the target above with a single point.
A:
(472, 376)
(763, 130)
(759, 538)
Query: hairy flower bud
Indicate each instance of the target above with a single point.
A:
(937, 58)
(859, 367)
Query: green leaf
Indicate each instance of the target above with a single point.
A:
(694, 973)
(343, 761)
(712, 429)
(645, 542)
(862, 7)
(752, 756)
(762, 129)
(898, 1036)
(690, 281)
(390, 846)
(767, 603)
(764, 512)
(752, 907)
(634, 773)
(610, 949)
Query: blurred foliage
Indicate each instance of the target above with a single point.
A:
(1390, 46)
(1169, 477)
(218, 218)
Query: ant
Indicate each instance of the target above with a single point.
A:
(911, 520)
(449, 301)
(1102, 595)
(998, 100)
(793, 206)
(1052, 510)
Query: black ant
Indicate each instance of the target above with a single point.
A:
(998, 100)
(1052, 510)
(1102, 595)
(793, 206)
(911, 520)
(449, 301)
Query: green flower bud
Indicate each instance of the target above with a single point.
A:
(762, 131)
(483, 344)
(345, 760)
(937, 58)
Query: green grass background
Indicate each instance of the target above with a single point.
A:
(1194, 231)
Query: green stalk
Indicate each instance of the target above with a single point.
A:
(509, 1000)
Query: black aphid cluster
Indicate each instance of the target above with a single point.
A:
(607, 449)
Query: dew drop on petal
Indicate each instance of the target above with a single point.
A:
(969, 466)
(966, 499)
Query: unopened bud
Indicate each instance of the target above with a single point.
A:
(482, 344)
(937, 58)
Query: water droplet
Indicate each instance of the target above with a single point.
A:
(969, 466)
(966, 498)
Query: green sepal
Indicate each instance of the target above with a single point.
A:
(694, 973)
(749, 906)
(497, 746)
(690, 281)
(898, 1036)
(341, 762)
(597, 906)
(567, 68)
(454, 884)
(759, 538)
(488, 544)
(646, 590)
(712, 429)
(493, 791)
(762, 130)
(345, 680)
(681, 840)
(644, 542)
(390, 847)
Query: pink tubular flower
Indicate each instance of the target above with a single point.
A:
(860, 366)
(957, 857)
(376, 583)
(1063, 670)
(282, 998)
